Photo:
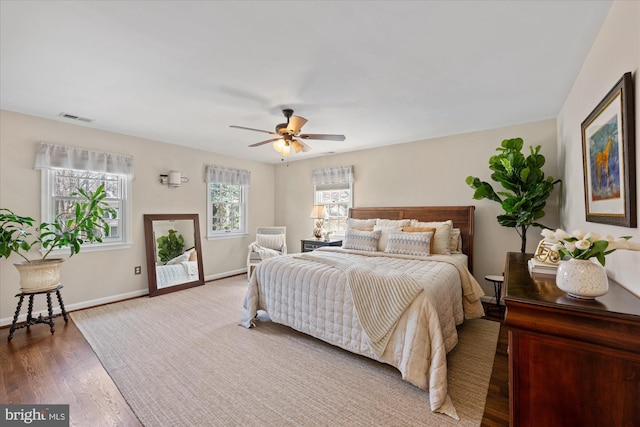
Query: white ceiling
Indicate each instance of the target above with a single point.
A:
(380, 72)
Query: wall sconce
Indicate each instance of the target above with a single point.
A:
(318, 214)
(173, 179)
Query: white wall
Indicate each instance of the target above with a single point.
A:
(430, 172)
(615, 51)
(93, 277)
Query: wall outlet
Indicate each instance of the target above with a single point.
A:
(137, 269)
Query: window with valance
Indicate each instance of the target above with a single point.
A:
(66, 169)
(333, 188)
(227, 191)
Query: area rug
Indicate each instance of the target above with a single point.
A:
(181, 359)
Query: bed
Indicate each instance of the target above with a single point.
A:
(398, 308)
(175, 274)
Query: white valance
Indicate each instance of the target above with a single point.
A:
(329, 176)
(49, 156)
(222, 175)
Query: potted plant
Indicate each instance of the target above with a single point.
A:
(170, 246)
(527, 189)
(84, 224)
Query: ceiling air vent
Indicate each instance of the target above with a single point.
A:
(77, 118)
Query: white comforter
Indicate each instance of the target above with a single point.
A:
(314, 298)
(175, 274)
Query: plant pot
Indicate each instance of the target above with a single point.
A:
(39, 275)
(582, 278)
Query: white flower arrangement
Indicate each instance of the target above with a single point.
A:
(583, 245)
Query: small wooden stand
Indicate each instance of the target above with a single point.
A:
(49, 320)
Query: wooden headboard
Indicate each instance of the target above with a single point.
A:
(462, 217)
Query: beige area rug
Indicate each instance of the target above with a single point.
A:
(182, 359)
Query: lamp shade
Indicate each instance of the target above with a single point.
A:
(317, 212)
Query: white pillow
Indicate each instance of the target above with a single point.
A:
(271, 241)
(393, 222)
(361, 240)
(180, 258)
(442, 238)
(361, 224)
(384, 235)
(411, 243)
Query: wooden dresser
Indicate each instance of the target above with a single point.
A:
(571, 362)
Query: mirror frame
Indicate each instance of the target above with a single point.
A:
(151, 254)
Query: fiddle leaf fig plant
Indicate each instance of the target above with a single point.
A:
(527, 188)
(84, 224)
(170, 246)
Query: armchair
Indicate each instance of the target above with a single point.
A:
(270, 241)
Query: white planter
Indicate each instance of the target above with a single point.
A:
(39, 275)
(582, 278)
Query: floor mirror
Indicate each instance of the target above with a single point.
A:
(174, 255)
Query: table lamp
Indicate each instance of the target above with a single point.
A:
(318, 214)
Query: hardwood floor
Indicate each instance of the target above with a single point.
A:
(38, 367)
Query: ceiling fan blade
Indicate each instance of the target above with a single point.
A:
(299, 146)
(295, 124)
(257, 144)
(257, 130)
(321, 136)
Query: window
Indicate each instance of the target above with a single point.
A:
(227, 210)
(336, 201)
(67, 169)
(227, 191)
(333, 188)
(58, 198)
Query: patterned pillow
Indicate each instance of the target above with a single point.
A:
(361, 240)
(413, 243)
(271, 241)
(422, 230)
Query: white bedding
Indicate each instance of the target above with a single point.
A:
(174, 274)
(314, 298)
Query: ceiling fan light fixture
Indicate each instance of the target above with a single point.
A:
(282, 147)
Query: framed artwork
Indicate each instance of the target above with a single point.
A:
(608, 154)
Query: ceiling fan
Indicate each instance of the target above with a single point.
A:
(289, 136)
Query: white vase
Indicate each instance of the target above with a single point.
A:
(39, 275)
(582, 278)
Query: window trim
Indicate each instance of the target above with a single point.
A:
(46, 213)
(244, 215)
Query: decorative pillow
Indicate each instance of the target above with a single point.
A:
(455, 242)
(361, 224)
(411, 243)
(180, 258)
(384, 235)
(422, 230)
(271, 241)
(393, 222)
(441, 238)
(193, 255)
(361, 240)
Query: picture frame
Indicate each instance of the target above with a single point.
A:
(608, 155)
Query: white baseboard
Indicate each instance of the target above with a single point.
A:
(100, 301)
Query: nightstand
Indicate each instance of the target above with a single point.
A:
(307, 245)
